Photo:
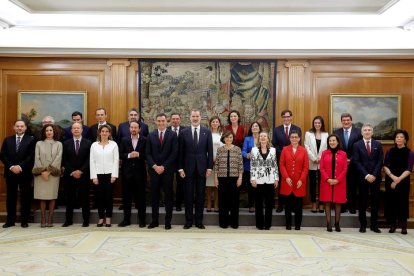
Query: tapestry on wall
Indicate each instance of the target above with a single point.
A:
(213, 87)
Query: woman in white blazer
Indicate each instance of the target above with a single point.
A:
(315, 144)
(264, 176)
(104, 167)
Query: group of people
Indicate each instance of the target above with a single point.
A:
(220, 158)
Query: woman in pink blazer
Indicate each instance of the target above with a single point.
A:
(294, 166)
(333, 180)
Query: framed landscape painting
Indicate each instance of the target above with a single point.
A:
(383, 112)
(33, 106)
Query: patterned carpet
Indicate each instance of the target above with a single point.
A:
(246, 251)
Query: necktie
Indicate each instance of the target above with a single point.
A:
(18, 143)
(368, 148)
(195, 137)
(346, 138)
(287, 132)
(77, 146)
(161, 137)
(176, 131)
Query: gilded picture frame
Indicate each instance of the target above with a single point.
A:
(383, 112)
(34, 105)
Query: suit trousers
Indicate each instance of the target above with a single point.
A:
(133, 188)
(351, 187)
(228, 194)
(23, 183)
(293, 203)
(264, 192)
(372, 191)
(194, 184)
(179, 191)
(165, 181)
(72, 185)
(105, 195)
(314, 180)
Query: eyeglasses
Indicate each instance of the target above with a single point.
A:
(286, 117)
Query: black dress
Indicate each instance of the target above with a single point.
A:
(398, 160)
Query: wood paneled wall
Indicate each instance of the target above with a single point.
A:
(304, 86)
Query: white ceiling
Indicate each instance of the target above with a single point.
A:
(264, 28)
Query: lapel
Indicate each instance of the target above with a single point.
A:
(313, 141)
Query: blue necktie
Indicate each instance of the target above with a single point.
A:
(18, 143)
(346, 138)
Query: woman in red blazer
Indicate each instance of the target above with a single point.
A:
(236, 128)
(333, 166)
(294, 167)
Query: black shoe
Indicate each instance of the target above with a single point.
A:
(66, 224)
(208, 210)
(297, 227)
(337, 228)
(404, 231)
(362, 229)
(187, 226)
(85, 224)
(142, 225)
(121, 207)
(108, 225)
(167, 227)
(314, 211)
(178, 209)
(24, 225)
(266, 228)
(375, 229)
(99, 224)
(288, 227)
(352, 211)
(7, 225)
(153, 225)
(279, 210)
(392, 229)
(234, 226)
(200, 226)
(124, 223)
(321, 211)
(329, 227)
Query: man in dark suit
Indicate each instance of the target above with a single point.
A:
(17, 155)
(123, 128)
(134, 182)
(175, 120)
(161, 152)
(77, 117)
(76, 163)
(349, 135)
(100, 114)
(280, 139)
(195, 164)
(368, 158)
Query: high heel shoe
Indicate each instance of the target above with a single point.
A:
(329, 227)
(108, 223)
(100, 223)
(337, 228)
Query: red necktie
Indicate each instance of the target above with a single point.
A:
(368, 149)
(161, 137)
(287, 132)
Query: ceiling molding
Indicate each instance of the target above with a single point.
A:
(207, 53)
(4, 24)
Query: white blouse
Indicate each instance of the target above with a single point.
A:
(104, 159)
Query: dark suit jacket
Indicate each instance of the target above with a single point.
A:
(368, 164)
(200, 157)
(180, 131)
(123, 130)
(73, 162)
(93, 132)
(279, 138)
(354, 136)
(162, 155)
(132, 166)
(24, 157)
(69, 135)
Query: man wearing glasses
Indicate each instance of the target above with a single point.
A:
(280, 139)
